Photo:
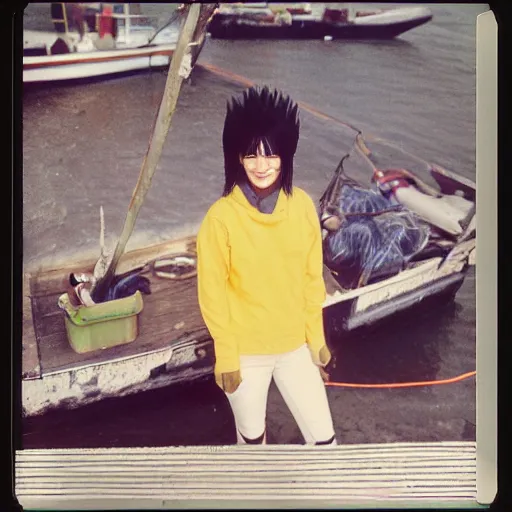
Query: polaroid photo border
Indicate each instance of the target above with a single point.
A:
(401, 475)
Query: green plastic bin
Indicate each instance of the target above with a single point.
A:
(103, 325)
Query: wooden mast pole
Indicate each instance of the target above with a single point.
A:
(173, 84)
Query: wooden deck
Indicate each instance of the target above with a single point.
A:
(404, 475)
(170, 312)
(30, 367)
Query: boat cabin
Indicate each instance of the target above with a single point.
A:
(85, 27)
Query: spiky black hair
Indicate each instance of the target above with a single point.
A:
(260, 115)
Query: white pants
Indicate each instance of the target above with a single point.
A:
(299, 382)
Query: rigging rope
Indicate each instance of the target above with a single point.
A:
(360, 145)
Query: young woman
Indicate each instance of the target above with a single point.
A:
(260, 284)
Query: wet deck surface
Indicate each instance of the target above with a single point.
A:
(170, 311)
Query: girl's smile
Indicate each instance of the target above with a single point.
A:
(262, 171)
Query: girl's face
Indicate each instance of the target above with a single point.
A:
(262, 170)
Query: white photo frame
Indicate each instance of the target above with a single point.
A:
(398, 475)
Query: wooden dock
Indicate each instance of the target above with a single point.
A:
(400, 474)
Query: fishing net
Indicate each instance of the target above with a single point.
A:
(376, 238)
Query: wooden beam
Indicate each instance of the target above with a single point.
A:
(156, 143)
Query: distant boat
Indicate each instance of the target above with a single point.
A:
(267, 20)
(113, 42)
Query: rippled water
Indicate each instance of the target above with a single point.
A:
(83, 146)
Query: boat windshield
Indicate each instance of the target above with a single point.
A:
(133, 23)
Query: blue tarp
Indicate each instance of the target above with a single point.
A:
(374, 245)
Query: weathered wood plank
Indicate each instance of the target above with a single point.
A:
(57, 354)
(167, 295)
(36, 469)
(45, 306)
(50, 325)
(54, 280)
(170, 311)
(373, 455)
(30, 367)
(51, 322)
(159, 317)
(389, 471)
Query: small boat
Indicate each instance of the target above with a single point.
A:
(112, 41)
(439, 220)
(267, 20)
(171, 342)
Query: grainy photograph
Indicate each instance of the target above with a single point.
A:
(251, 224)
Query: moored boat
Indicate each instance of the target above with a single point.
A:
(338, 21)
(108, 42)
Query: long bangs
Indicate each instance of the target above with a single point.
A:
(270, 146)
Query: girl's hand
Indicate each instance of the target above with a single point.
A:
(327, 363)
(324, 374)
(229, 381)
(324, 355)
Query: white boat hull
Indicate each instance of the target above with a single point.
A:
(93, 64)
(393, 16)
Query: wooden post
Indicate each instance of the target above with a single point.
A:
(156, 143)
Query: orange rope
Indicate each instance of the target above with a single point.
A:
(227, 74)
(249, 83)
(403, 384)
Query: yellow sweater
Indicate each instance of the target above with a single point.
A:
(260, 284)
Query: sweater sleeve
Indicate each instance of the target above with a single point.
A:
(314, 289)
(213, 262)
